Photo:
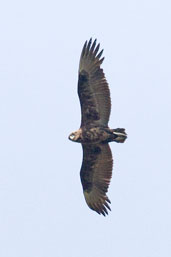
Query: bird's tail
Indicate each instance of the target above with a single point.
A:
(119, 135)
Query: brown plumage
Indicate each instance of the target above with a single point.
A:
(94, 133)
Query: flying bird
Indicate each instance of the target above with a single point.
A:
(94, 133)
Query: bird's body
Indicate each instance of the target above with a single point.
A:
(98, 135)
(94, 133)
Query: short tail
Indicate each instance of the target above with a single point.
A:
(120, 135)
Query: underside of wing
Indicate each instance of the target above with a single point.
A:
(96, 172)
(93, 88)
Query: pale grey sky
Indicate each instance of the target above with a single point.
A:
(42, 209)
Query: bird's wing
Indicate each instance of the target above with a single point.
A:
(93, 88)
(96, 172)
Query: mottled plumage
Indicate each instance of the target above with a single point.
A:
(94, 133)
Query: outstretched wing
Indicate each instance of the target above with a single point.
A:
(93, 88)
(96, 172)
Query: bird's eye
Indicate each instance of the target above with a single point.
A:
(72, 136)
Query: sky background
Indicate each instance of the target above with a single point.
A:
(42, 208)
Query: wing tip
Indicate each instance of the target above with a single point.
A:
(104, 210)
(100, 205)
(91, 49)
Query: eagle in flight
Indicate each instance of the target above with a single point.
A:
(94, 133)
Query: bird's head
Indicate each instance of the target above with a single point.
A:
(75, 136)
